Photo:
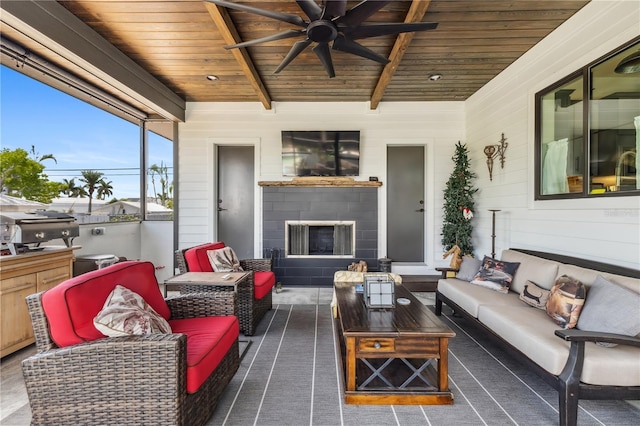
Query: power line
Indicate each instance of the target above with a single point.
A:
(100, 169)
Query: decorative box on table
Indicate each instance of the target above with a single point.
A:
(379, 291)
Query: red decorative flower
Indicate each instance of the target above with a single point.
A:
(467, 213)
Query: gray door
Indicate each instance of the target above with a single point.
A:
(235, 201)
(405, 203)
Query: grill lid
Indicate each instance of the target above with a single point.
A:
(19, 228)
(40, 216)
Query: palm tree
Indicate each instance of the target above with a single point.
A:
(105, 189)
(166, 186)
(70, 189)
(41, 157)
(91, 179)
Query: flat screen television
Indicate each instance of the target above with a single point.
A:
(321, 153)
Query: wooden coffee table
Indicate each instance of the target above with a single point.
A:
(393, 355)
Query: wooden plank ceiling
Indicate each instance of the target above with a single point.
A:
(181, 42)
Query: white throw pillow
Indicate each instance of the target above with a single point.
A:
(125, 312)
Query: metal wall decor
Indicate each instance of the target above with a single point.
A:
(496, 151)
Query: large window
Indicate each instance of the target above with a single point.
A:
(586, 146)
(159, 176)
(73, 157)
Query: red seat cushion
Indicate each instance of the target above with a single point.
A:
(197, 259)
(71, 305)
(208, 341)
(263, 282)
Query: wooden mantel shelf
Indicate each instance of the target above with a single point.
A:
(320, 181)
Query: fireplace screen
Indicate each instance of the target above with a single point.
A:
(320, 238)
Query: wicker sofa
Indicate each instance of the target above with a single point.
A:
(79, 376)
(254, 296)
(567, 359)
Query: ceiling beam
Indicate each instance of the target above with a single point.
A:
(230, 35)
(415, 14)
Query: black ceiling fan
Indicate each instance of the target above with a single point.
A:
(329, 23)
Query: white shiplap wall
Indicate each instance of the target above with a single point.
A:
(606, 230)
(437, 126)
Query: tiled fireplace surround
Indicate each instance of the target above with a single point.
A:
(280, 204)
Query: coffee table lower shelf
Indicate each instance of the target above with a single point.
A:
(397, 398)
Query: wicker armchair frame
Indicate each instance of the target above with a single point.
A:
(250, 309)
(125, 380)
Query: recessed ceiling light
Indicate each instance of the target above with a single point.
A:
(212, 77)
(435, 77)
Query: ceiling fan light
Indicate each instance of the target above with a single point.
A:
(212, 77)
(630, 64)
(435, 77)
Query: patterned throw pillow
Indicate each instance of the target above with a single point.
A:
(566, 301)
(495, 274)
(535, 296)
(126, 312)
(224, 260)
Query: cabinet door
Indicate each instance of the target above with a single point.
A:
(16, 323)
(52, 277)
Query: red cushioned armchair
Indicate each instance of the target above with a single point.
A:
(254, 298)
(80, 376)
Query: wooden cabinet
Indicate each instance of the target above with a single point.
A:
(21, 276)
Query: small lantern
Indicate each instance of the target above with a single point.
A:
(379, 291)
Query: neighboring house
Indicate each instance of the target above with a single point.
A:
(125, 207)
(78, 206)
(14, 204)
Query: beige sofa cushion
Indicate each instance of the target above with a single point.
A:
(541, 271)
(586, 276)
(629, 283)
(470, 296)
(529, 330)
(532, 332)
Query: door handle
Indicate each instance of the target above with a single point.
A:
(420, 210)
(221, 209)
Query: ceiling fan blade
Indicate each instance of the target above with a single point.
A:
(310, 8)
(349, 46)
(296, 49)
(360, 12)
(284, 17)
(334, 8)
(324, 54)
(375, 30)
(273, 37)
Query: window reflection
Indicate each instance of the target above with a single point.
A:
(562, 139)
(607, 162)
(614, 118)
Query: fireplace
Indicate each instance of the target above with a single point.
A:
(324, 209)
(316, 238)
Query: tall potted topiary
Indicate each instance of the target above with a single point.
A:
(459, 205)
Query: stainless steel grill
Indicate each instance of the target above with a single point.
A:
(18, 229)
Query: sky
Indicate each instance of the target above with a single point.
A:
(79, 135)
